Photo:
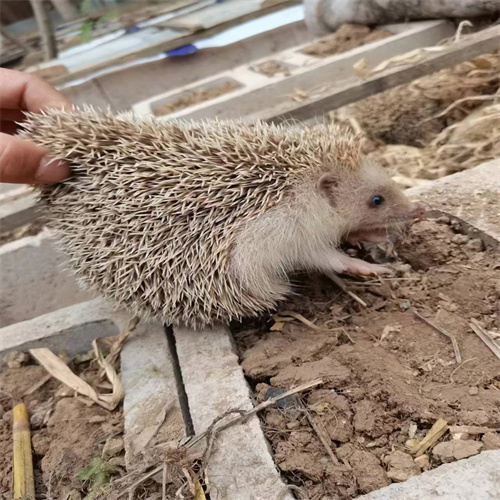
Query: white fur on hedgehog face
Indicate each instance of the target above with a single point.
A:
(370, 205)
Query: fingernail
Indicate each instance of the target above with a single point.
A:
(51, 171)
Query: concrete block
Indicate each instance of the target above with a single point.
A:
(89, 92)
(17, 207)
(6, 187)
(172, 72)
(329, 71)
(33, 280)
(71, 328)
(150, 385)
(472, 196)
(241, 467)
(476, 478)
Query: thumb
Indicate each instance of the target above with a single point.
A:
(23, 162)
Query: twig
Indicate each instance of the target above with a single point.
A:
(454, 342)
(301, 318)
(133, 486)
(321, 433)
(458, 368)
(246, 414)
(344, 331)
(343, 287)
(459, 101)
(484, 336)
(473, 429)
(292, 487)
(37, 386)
(164, 482)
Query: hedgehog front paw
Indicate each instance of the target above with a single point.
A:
(362, 268)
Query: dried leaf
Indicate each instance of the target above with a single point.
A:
(59, 370)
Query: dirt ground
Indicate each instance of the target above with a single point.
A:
(388, 376)
(347, 37)
(67, 434)
(271, 68)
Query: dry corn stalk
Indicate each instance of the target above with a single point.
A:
(24, 482)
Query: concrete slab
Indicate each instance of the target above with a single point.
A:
(71, 328)
(150, 386)
(476, 478)
(241, 467)
(17, 207)
(472, 196)
(6, 187)
(33, 280)
(89, 92)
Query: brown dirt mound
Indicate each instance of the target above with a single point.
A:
(271, 68)
(347, 37)
(195, 97)
(396, 379)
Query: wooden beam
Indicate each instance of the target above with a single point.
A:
(469, 47)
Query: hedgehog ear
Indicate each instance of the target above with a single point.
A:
(327, 185)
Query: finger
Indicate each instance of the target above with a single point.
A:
(24, 91)
(23, 162)
(8, 127)
(11, 115)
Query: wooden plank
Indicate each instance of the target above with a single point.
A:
(471, 46)
(171, 43)
(213, 15)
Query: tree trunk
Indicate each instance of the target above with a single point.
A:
(323, 16)
(45, 28)
(66, 8)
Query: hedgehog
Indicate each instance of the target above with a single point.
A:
(196, 223)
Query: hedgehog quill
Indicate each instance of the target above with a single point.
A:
(201, 222)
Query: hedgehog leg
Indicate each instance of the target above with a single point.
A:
(361, 268)
(339, 262)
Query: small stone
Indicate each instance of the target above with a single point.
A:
(97, 419)
(491, 441)
(460, 239)
(460, 435)
(15, 359)
(41, 443)
(113, 447)
(2, 411)
(473, 391)
(476, 245)
(63, 391)
(117, 461)
(456, 450)
(423, 462)
(401, 466)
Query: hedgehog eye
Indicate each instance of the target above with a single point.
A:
(377, 200)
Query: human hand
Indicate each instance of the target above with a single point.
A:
(22, 161)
